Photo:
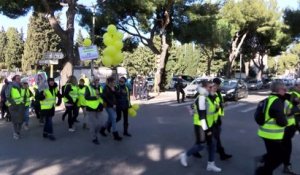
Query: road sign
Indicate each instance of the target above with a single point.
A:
(53, 55)
(45, 62)
(88, 53)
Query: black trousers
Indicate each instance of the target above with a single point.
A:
(217, 135)
(121, 111)
(72, 112)
(287, 144)
(178, 91)
(273, 158)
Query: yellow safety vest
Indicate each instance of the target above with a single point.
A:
(94, 103)
(28, 96)
(81, 99)
(210, 113)
(50, 99)
(270, 130)
(73, 94)
(16, 96)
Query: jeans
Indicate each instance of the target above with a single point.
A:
(211, 147)
(196, 148)
(72, 114)
(111, 119)
(26, 115)
(48, 126)
(95, 121)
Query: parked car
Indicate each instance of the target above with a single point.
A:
(267, 83)
(150, 83)
(255, 84)
(185, 80)
(234, 89)
(191, 89)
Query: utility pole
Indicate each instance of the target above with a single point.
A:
(93, 36)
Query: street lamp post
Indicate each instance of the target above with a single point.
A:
(93, 36)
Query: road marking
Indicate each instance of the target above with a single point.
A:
(235, 106)
(182, 104)
(249, 109)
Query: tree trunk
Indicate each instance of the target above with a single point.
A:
(67, 36)
(209, 61)
(246, 64)
(235, 49)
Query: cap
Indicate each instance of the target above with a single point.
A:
(24, 81)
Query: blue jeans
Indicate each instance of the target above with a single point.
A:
(211, 148)
(111, 119)
(26, 115)
(48, 126)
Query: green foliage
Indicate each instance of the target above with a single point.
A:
(3, 40)
(79, 38)
(292, 19)
(141, 61)
(14, 48)
(40, 39)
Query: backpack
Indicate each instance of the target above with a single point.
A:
(259, 114)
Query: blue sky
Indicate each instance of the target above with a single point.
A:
(23, 21)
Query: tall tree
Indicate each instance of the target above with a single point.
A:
(40, 39)
(136, 18)
(14, 48)
(3, 40)
(292, 19)
(16, 8)
(248, 18)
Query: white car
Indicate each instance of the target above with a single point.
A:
(191, 89)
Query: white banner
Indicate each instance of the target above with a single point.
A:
(88, 53)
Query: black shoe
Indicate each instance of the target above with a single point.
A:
(51, 137)
(45, 135)
(288, 170)
(102, 132)
(77, 121)
(197, 155)
(127, 134)
(225, 156)
(116, 136)
(96, 142)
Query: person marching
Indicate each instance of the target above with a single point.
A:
(4, 107)
(27, 95)
(81, 100)
(292, 113)
(109, 96)
(47, 99)
(218, 121)
(123, 104)
(16, 105)
(94, 107)
(71, 99)
(205, 110)
(272, 131)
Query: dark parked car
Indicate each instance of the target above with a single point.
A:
(255, 84)
(186, 80)
(234, 89)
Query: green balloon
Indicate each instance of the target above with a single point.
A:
(110, 51)
(108, 41)
(111, 29)
(106, 61)
(119, 35)
(87, 42)
(118, 45)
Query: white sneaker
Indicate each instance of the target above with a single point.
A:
(183, 159)
(71, 130)
(212, 167)
(16, 136)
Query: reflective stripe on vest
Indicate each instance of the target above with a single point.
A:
(94, 103)
(73, 93)
(49, 100)
(270, 130)
(28, 99)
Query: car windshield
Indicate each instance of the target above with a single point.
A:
(150, 79)
(230, 83)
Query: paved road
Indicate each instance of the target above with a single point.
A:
(161, 131)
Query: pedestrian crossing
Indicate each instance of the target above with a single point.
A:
(240, 106)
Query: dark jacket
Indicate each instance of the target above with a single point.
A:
(122, 97)
(109, 96)
(67, 90)
(179, 85)
(277, 111)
